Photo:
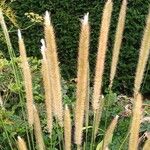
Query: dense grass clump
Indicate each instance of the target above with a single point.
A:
(51, 113)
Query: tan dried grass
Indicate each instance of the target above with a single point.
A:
(54, 71)
(27, 79)
(82, 77)
(102, 47)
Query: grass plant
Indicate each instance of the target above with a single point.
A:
(65, 126)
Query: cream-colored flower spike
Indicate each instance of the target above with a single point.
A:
(38, 130)
(102, 47)
(82, 77)
(67, 128)
(55, 78)
(135, 124)
(109, 132)
(47, 87)
(21, 144)
(143, 56)
(27, 79)
(118, 40)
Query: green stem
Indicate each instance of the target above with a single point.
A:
(87, 108)
(124, 140)
(59, 138)
(93, 131)
(15, 69)
(78, 147)
(51, 141)
(32, 139)
(5, 130)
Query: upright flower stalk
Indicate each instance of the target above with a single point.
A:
(67, 128)
(38, 131)
(118, 40)
(82, 77)
(135, 124)
(143, 56)
(47, 87)
(147, 144)
(27, 79)
(109, 132)
(54, 71)
(102, 47)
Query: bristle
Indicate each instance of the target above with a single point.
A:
(143, 57)
(54, 72)
(27, 79)
(47, 90)
(98, 115)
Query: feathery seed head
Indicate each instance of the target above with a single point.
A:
(135, 124)
(109, 132)
(118, 41)
(67, 128)
(143, 56)
(55, 77)
(102, 47)
(38, 130)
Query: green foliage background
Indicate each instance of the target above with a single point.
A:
(66, 15)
